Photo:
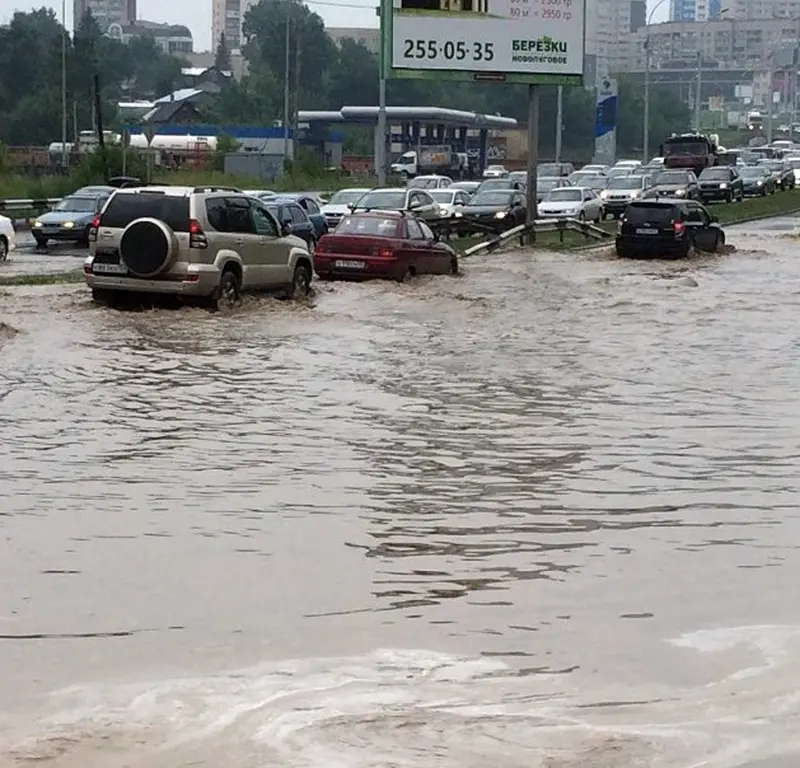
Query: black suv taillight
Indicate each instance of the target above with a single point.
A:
(197, 238)
(93, 227)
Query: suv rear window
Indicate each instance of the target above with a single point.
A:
(639, 213)
(124, 208)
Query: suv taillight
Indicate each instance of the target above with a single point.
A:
(93, 227)
(678, 227)
(197, 238)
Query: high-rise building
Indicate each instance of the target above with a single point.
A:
(227, 17)
(760, 9)
(105, 12)
(694, 10)
(608, 27)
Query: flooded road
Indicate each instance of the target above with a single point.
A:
(545, 514)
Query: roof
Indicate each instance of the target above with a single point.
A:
(163, 113)
(408, 114)
(182, 94)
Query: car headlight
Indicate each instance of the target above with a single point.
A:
(604, 194)
(680, 192)
(759, 183)
(635, 193)
(37, 223)
(458, 214)
(68, 224)
(500, 215)
(724, 185)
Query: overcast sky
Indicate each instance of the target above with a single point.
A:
(196, 14)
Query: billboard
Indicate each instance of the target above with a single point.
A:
(509, 41)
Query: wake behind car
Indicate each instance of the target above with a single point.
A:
(71, 219)
(572, 202)
(667, 228)
(677, 183)
(757, 181)
(721, 182)
(622, 190)
(339, 205)
(383, 244)
(418, 201)
(494, 210)
(192, 242)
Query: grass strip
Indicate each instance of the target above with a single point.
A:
(57, 278)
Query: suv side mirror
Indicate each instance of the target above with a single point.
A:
(415, 206)
(286, 228)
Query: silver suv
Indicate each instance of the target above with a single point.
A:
(207, 243)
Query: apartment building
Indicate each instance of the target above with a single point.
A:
(609, 24)
(227, 17)
(694, 10)
(747, 44)
(760, 9)
(105, 12)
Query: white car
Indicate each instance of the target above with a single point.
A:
(431, 181)
(339, 205)
(627, 163)
(572, 203)
(495, 172)
(451, 201)
(8, 237)
(602, 169)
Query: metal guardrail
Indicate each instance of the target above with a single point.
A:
(540, 225)
(30, 204)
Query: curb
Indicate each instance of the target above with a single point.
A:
(762, 217)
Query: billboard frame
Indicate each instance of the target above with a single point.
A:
(466, 75)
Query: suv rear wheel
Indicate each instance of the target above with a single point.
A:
(228, 292)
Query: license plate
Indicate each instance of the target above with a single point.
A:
(349, 264)
(114, 269)
(646, 231)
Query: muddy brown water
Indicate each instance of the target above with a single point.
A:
(545, 514)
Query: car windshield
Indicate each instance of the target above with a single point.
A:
(545, 185)
(368, 226)
(496, 184)
(443, 195)
(672, 177)
(384, 198)
(616, 172)
(423, 182)
(77, 205)
(751, 173)
(794, 162)
(774, 166)
(685, 148)
(649, 214)
(491, 198)
(715, 174)
(549, 169)
(625, 182)
(346, 196)
(518, 177)
(565, 194)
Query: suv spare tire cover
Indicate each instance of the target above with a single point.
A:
(147, 247)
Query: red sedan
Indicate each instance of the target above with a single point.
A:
(382, 244)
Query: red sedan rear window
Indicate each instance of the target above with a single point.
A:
(370, 226)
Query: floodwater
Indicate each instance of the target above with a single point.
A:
(545, 514)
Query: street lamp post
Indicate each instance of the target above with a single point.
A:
(646, 136)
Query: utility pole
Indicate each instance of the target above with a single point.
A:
(533, 160)
(64, 156)
(286, 92)
(699, 95)
(380, 138)
(646, 136)
(559, 121)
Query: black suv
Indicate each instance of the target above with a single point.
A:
(667, 228)
(721, 183)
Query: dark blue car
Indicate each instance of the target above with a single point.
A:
(288, 212)
(312, 208)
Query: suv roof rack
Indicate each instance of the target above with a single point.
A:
(216, 188)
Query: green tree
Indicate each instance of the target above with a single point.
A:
(354, 71)
(310, 49)
(222, 58)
